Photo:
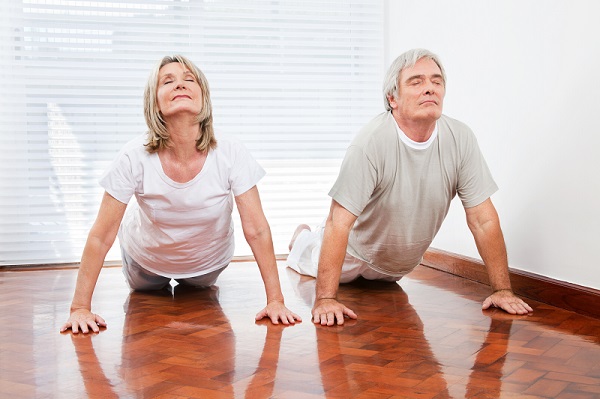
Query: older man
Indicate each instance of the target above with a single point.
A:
(394, 190)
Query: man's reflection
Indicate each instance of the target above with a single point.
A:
(359, 356)
(486, 375)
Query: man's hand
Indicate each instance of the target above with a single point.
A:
(85, 320)
(508, 301)
(276, 310)
(326, 311)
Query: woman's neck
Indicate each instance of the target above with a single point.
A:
(183, 135)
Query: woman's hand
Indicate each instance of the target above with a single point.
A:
(85, 320)
(276, 310)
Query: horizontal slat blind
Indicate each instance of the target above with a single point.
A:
(293, 80)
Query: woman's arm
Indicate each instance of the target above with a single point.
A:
(258, 235)
(100, 239)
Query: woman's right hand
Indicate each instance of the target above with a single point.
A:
(85, 320)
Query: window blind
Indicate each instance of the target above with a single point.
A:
(293, 80)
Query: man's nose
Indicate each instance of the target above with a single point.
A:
(429, 88)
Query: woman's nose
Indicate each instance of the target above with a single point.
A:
(180, 84)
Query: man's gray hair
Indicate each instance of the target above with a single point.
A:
(405, 60)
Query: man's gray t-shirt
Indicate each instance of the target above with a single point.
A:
(401, 194)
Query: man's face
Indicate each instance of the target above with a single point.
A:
(420, 94)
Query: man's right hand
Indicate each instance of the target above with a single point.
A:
(85, 320)
(328, 311)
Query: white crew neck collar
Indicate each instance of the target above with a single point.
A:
(415, 144)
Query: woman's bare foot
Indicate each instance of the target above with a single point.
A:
(298, 231)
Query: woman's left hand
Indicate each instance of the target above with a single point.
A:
(276, 310)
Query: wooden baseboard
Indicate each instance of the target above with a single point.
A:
(576, 298)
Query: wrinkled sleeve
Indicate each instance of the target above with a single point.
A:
(475, 181)
(118, 179)
(245, 170)
(356, 181)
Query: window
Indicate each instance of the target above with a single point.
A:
(293, 80)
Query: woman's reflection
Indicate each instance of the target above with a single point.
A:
(95, 381)
(183, 339)
(179, 341)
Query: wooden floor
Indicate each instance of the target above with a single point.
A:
(423, 338)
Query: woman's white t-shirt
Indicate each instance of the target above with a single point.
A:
(180, 230)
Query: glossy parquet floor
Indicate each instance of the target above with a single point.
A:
(424, 338)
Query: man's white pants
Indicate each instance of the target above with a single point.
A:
(304, 258)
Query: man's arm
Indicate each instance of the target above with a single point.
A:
(327, 310)
(484, 223)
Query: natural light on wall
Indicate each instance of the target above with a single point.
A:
(293, 80)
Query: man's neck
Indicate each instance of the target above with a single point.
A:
(417, 130)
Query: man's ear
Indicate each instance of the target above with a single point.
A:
(392, 101)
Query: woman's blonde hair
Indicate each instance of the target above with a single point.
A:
(158, 135)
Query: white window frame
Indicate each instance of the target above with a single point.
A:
(293, 80)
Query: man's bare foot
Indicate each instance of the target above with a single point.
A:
(298, 231)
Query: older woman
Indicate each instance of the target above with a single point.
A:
(180, 225)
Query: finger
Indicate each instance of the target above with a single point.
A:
(260, 315)
(522, 307)
(519, 308)
(274, 318)
(75, 327)
(100, 321)
(339, 315)
(323, 319)
(508, 307)
(315, 318)
(487, 303)
(350, 313)
(93, 326)
(65, 327)
(284, 319)
(522, 310)
(84, 328)
(330, 318)
(290, 318)
(296, 317)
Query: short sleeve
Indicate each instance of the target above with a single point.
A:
(245, 171)
(475, 181)
(118, 179)
(356, 181)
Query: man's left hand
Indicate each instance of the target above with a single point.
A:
(276, 310)
(508, 301)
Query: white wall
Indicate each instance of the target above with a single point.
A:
(525, 76)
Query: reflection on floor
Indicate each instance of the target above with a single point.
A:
(423, 338)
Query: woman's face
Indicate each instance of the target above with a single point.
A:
(178, 91)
